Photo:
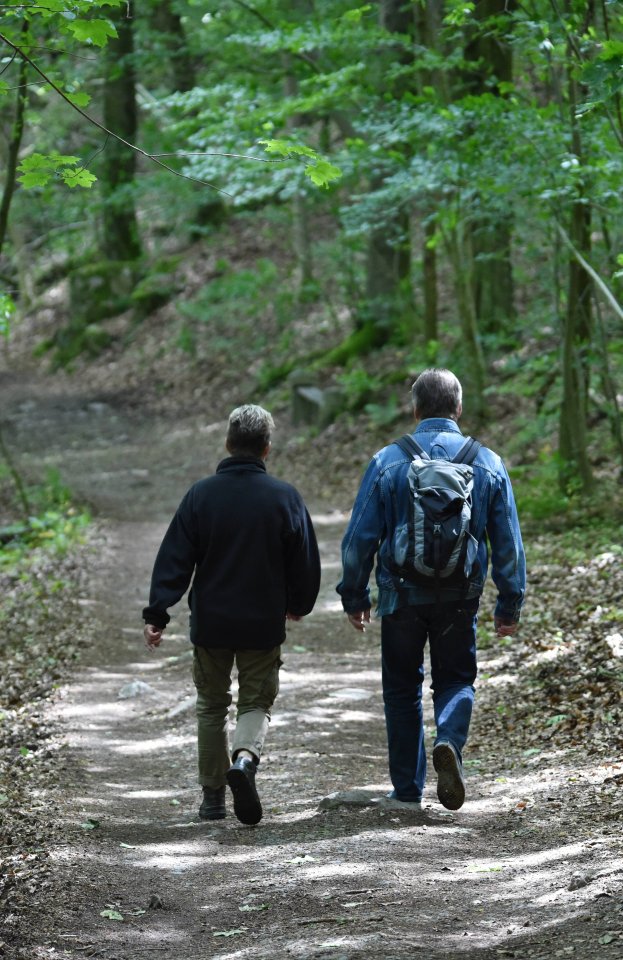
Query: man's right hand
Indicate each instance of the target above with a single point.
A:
(504, 628)
(358, 620)
(153, 636)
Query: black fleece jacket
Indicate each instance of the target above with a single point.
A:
(249, 541)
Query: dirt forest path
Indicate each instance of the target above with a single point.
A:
(524, 870)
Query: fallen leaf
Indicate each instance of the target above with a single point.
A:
(111, 914)
(90, 824)
(247, 908)
(229, 933)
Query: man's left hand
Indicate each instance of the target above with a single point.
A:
(153, 636)
(292, 616)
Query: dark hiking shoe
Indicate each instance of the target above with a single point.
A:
(450, 783)
(213, 805)
(241, 779)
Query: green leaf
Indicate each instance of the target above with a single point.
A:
(248, 908)
(322, 173)
(38, 169)
(111, 914)
(90, 824)
(79, 99)
(229, 933)
(355, 15)
(4, 799)
(287, 148)
(552, 721)
(78, 178)
(92, 31)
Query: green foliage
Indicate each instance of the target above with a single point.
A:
(55, 527)
(223, 311)
(7, 312)
(158, 287)
(320, 171)
(38, 169)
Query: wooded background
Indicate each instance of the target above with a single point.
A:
(433, 182)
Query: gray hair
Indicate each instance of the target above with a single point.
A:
(437, 393)
(249, 430)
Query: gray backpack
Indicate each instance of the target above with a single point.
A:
(436, 546)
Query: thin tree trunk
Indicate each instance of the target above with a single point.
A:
(474, 376)
(389, 298)
(577, 332)
(16, 477)
(431, 331)
(429, 15)
(491, 236)
(609, 386)
(168, 23)
(301, 231)
(121, 235)
(15, 141)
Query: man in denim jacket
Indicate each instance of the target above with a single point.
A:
(412, 613)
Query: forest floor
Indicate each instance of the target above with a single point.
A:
(106, 856)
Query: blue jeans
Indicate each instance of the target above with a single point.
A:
(450, 629)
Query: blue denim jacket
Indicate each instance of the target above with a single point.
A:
(382, 504)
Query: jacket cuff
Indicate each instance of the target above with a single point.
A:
(508, 612)
(356, 606)
(157, 618)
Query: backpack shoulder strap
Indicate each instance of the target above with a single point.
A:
(411, 447)
(468, 452)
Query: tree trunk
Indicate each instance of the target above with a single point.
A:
(577, 332)
(301, 231)
(429, 16)
(473, 374)
(12, 154)
(168, 23)
(431, 331)
(120, 227)
(491, 236)
(389, 298)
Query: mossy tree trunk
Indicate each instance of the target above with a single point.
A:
(168, 24)
(474, 372)
(491, 59)
(577, 331)
(388, 294)
(120, 239)
(301, 227)
(428, 23)
(11, 156)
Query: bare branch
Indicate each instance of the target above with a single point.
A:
(100, 126)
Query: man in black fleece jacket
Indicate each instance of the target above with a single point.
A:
(247, 542)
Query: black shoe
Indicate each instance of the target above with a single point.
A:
(213, 805)
(241, 779)
(450, 783)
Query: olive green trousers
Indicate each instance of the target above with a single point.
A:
(258, 686)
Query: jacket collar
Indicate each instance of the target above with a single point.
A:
(254, 464)
(437, 425)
